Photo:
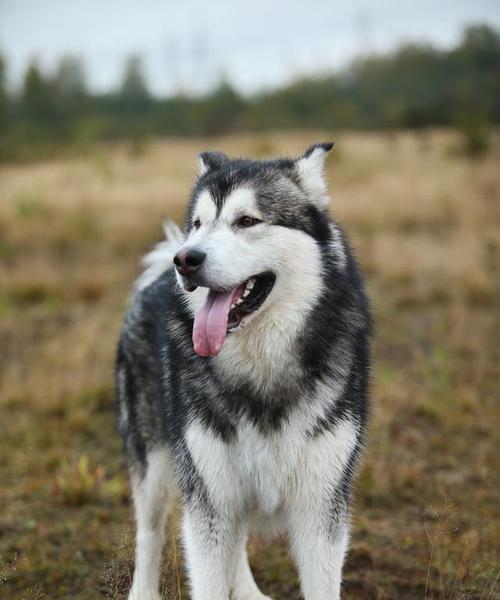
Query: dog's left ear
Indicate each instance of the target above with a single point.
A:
(211, 161)
(310, 169)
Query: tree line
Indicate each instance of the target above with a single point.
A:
(415, 86)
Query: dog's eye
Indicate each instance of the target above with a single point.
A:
(196, 224)
(247, 221)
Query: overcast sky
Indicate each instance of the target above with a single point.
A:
(190, 44)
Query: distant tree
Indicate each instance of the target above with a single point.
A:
(483, 43)
(38, 98)
(3, 95)
(70, 78)
(134, 93)
(475, 62)
(221, 111)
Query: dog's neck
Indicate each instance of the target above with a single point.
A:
(264, 352)
(261, 355)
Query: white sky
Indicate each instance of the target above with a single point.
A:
(256, 44)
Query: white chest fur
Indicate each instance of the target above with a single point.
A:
(256, 471)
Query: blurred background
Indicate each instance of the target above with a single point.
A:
(103, 109)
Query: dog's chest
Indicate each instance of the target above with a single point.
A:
(253, 470)
(265, 465)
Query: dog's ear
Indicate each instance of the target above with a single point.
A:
(310, 169)
(211, 161)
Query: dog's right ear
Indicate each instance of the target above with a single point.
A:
(310, 168)
(211, 161)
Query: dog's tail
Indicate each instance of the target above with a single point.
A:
(156, 262)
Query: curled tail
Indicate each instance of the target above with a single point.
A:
(156, 262)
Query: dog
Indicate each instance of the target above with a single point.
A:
(242, 379)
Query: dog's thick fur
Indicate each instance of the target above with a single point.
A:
(266, 434)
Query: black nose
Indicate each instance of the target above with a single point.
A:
(189, 261)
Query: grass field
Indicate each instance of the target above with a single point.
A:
(425, 221)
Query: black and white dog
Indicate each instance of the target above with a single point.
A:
(242, 377)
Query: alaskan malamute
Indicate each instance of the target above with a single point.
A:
(242, 377)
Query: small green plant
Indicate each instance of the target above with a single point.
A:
(79, 483)
(29, 206)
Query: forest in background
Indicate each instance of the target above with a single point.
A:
(415, 86)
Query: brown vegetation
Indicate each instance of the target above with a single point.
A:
(426, 224)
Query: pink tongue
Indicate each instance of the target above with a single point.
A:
(210, 321)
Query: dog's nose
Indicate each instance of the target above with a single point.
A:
(189, 261)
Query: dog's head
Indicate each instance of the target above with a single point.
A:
(253, 235)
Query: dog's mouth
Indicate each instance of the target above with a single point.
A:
(223, 312)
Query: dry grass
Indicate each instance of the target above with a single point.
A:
(426, 224)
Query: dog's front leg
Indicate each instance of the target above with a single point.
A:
(209, 542)
(243, 583)
(319, 537)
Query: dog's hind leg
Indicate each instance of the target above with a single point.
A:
(153, 495)
(244, 586)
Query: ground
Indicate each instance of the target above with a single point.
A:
(425, 221)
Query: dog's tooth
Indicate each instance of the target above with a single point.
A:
(240, 301)
(250, 284)
(245, 293)
(232, 306)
